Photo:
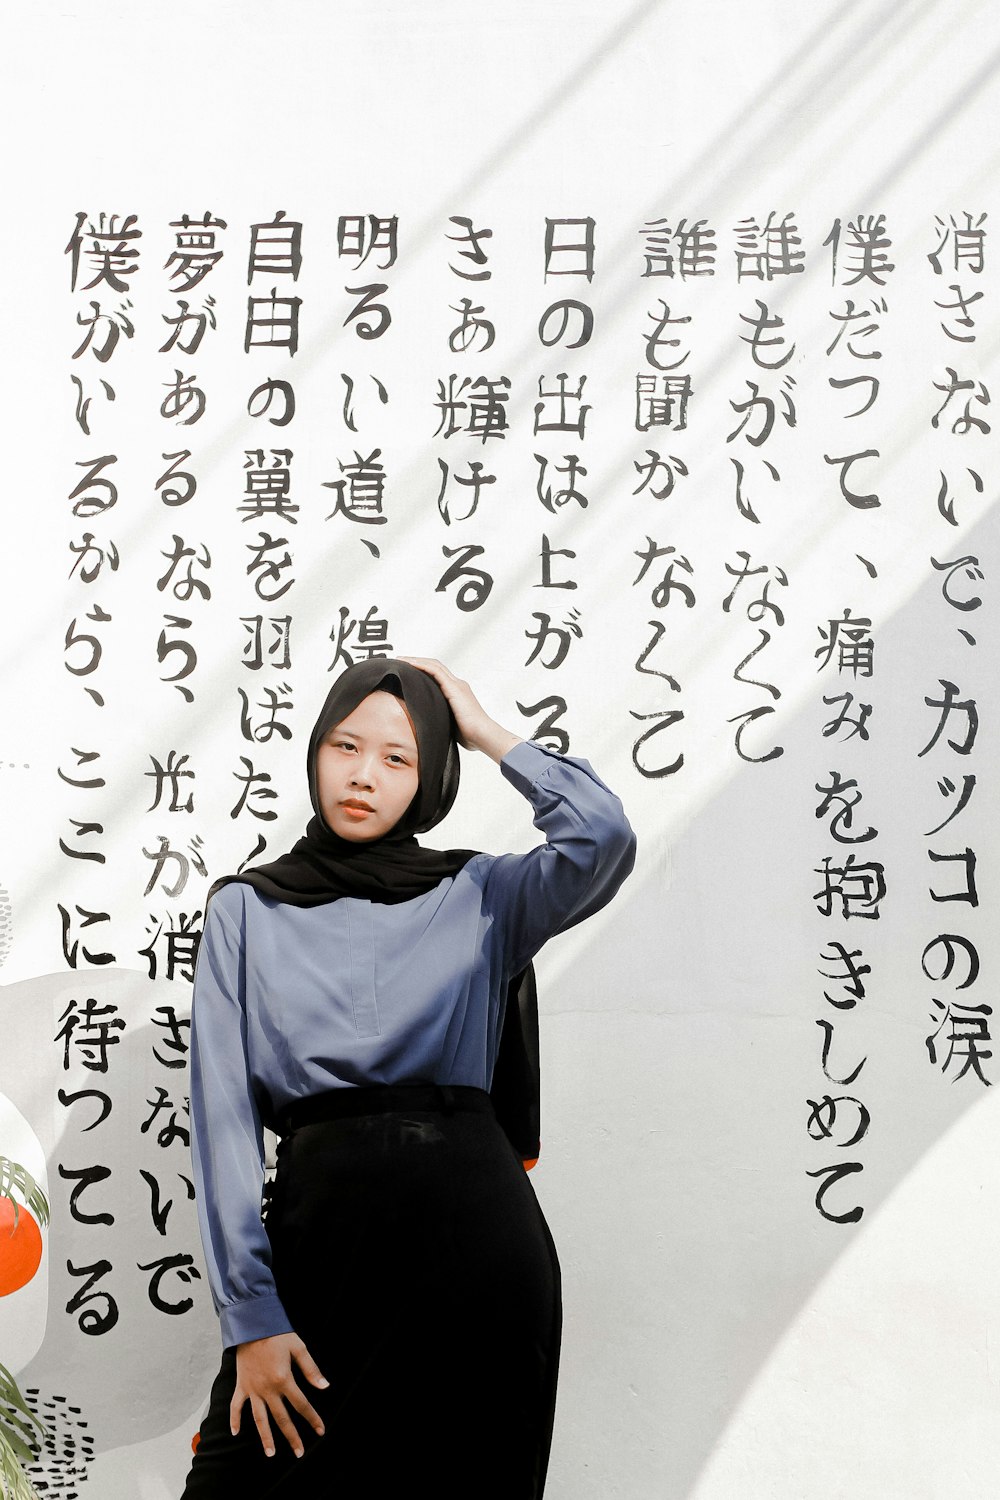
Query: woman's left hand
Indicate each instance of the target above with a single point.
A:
(476, 730)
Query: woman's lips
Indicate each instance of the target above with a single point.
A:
(357, 809)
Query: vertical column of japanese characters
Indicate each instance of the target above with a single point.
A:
(104, 258)
(664, 388)
(853, 882)
(960, 1042)
(269, 506)
(473, 409)
(360, 497)
(769, 260)
(182, 516)
(559, 421)
(187, 363)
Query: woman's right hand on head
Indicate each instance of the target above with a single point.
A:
(265, 1378)
(476, 730)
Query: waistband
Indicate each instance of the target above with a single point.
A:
(381, 1099)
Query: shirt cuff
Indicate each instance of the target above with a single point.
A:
(525, 762)
(260, 1318)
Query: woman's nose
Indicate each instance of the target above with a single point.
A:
(364, 773)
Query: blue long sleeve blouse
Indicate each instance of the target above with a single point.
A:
(291, 1001)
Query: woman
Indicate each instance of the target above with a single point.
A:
(395, 1326)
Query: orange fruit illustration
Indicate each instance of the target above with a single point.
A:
(20, 1247)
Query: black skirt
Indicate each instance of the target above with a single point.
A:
(412, 1258)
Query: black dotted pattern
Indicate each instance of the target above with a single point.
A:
(64, 1456)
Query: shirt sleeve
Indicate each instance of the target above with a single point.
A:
(589, 851)
(227, 1143)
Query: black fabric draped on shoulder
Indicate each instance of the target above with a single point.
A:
(321, 866)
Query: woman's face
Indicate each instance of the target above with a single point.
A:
(367, 770)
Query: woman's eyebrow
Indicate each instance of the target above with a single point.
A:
(347, 734)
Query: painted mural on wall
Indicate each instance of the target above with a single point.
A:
(483, 448)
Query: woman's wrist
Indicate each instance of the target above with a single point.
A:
(495, 741)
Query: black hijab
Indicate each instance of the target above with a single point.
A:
(321, 867)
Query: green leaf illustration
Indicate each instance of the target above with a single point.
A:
(17, 1179)
(18, 1428)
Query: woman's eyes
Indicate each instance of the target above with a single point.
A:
(398, 760)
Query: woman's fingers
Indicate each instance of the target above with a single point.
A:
(310, 1368)
(285, 1425)
(274, 1408)
(436, 669)
(259, 1409)
(236, 1410)
(315, 1376)
(443, 676)
(470, 716)
(297, 1399)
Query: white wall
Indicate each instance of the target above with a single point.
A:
(722, 1338)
